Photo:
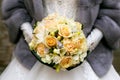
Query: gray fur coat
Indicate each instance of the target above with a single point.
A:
(103, 14)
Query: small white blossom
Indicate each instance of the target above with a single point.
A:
(76, 57)
(47, 59)
(56, 59)
(82, 56)
(56, 51)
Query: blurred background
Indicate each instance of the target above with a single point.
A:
(6, 48)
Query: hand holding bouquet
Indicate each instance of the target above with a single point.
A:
(59, 42)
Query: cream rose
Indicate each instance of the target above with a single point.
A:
(69, 46)
(66, 62)
(64, 30)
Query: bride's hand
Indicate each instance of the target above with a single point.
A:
(27, 31)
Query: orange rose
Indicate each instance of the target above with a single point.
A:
(41, 49)
(51, 41)
(64, 30)
(66, 62)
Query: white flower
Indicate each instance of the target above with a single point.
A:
(46, 59)
(56, 59)
(76, 57)
(80, 52)
(56, 51)
(82, 56)
(40, 37)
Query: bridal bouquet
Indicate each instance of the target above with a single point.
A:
(59, 42)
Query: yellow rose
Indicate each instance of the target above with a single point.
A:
(66, 62)
(69, 46)
(81, 44)
(64, 30)
(51, 41)
(41, 49)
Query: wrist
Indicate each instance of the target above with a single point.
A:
(26, 26)
(27, 31)
(94, 38)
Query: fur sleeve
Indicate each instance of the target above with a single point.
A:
(14, 14)
(109, 22)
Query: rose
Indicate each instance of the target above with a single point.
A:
(81, 44)
(69, 46)
(64, 30)
(66, 62)
(50, 22)
(50, 41)
(41, 49)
